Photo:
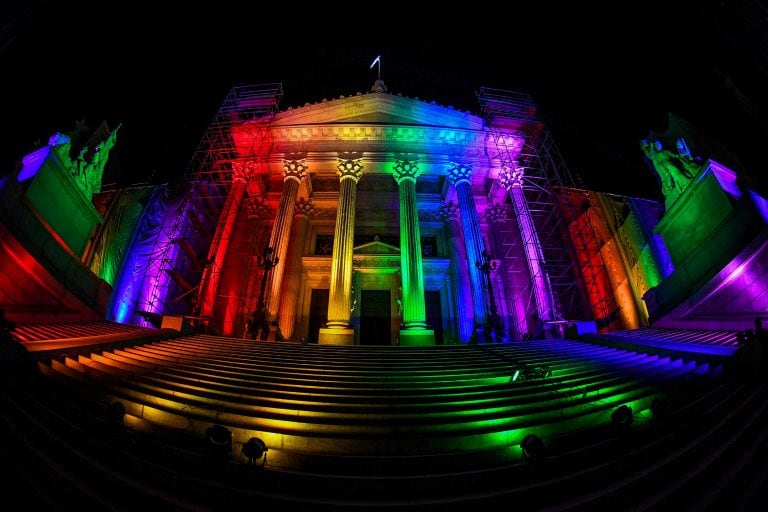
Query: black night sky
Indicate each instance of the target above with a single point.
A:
(602, 77)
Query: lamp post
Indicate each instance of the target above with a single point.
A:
(259, 320)
(493, 328)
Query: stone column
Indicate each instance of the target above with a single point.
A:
(292, 281)
(294, 170)
(337, 330)
(459, 271)
(414, 329)
(459, 176)
(512, 181)
(220, 244)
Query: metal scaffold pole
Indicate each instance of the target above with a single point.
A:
(190, 248)
(553, 287)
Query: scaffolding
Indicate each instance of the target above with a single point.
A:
(186, 251)
(579, 208)
(507, 114)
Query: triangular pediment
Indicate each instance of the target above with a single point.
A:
(378, 108)
(376, 247)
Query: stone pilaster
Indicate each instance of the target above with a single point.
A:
(459, 175)
(414, 329)
(510, 308)
(337, 330)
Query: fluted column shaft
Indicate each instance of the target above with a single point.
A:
(511, 179)
(459, 271)
(293, 172)
(220, 245)
(473, 239)
(411, 265)
(339, 312)
(292, 280)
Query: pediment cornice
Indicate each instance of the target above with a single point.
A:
(378, 108)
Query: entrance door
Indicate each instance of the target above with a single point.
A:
(375, 318)
(434, 315)
(318, 313)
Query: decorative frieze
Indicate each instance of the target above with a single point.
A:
(429, 216)
(324, 213)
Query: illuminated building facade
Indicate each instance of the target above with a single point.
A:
(391, 220)
(378, 208)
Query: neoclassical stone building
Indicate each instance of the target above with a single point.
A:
(372, 219)
(388, 220)
(377, 205)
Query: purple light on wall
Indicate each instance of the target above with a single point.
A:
(137, 265)
(533, 254)
(157, 281)
(32, 162)
(751, 280)
(761, 204)
(726, 178)
(661, 252)
(467, 323)
(649, 214)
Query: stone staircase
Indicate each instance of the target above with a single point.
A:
(354, 428)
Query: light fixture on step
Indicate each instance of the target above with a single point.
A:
(533, 448)
(621, 418)
(254, 450)
(219, 440)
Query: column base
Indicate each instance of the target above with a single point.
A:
(482, 335)
(336, 336)
(417, 338)
(274, 333)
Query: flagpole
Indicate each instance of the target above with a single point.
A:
(377, 60)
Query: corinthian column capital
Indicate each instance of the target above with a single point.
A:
(513, 177)
(459, 172)
(303, 208)
(406, 170)
(496, 213)
(350, 166)
(242, 169)
(258, 208)
(295, 169)
(449, 211)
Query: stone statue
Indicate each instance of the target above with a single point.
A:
(675, 170)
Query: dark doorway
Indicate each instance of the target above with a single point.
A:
(375, 318)
(318, 313)
(435, 315)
